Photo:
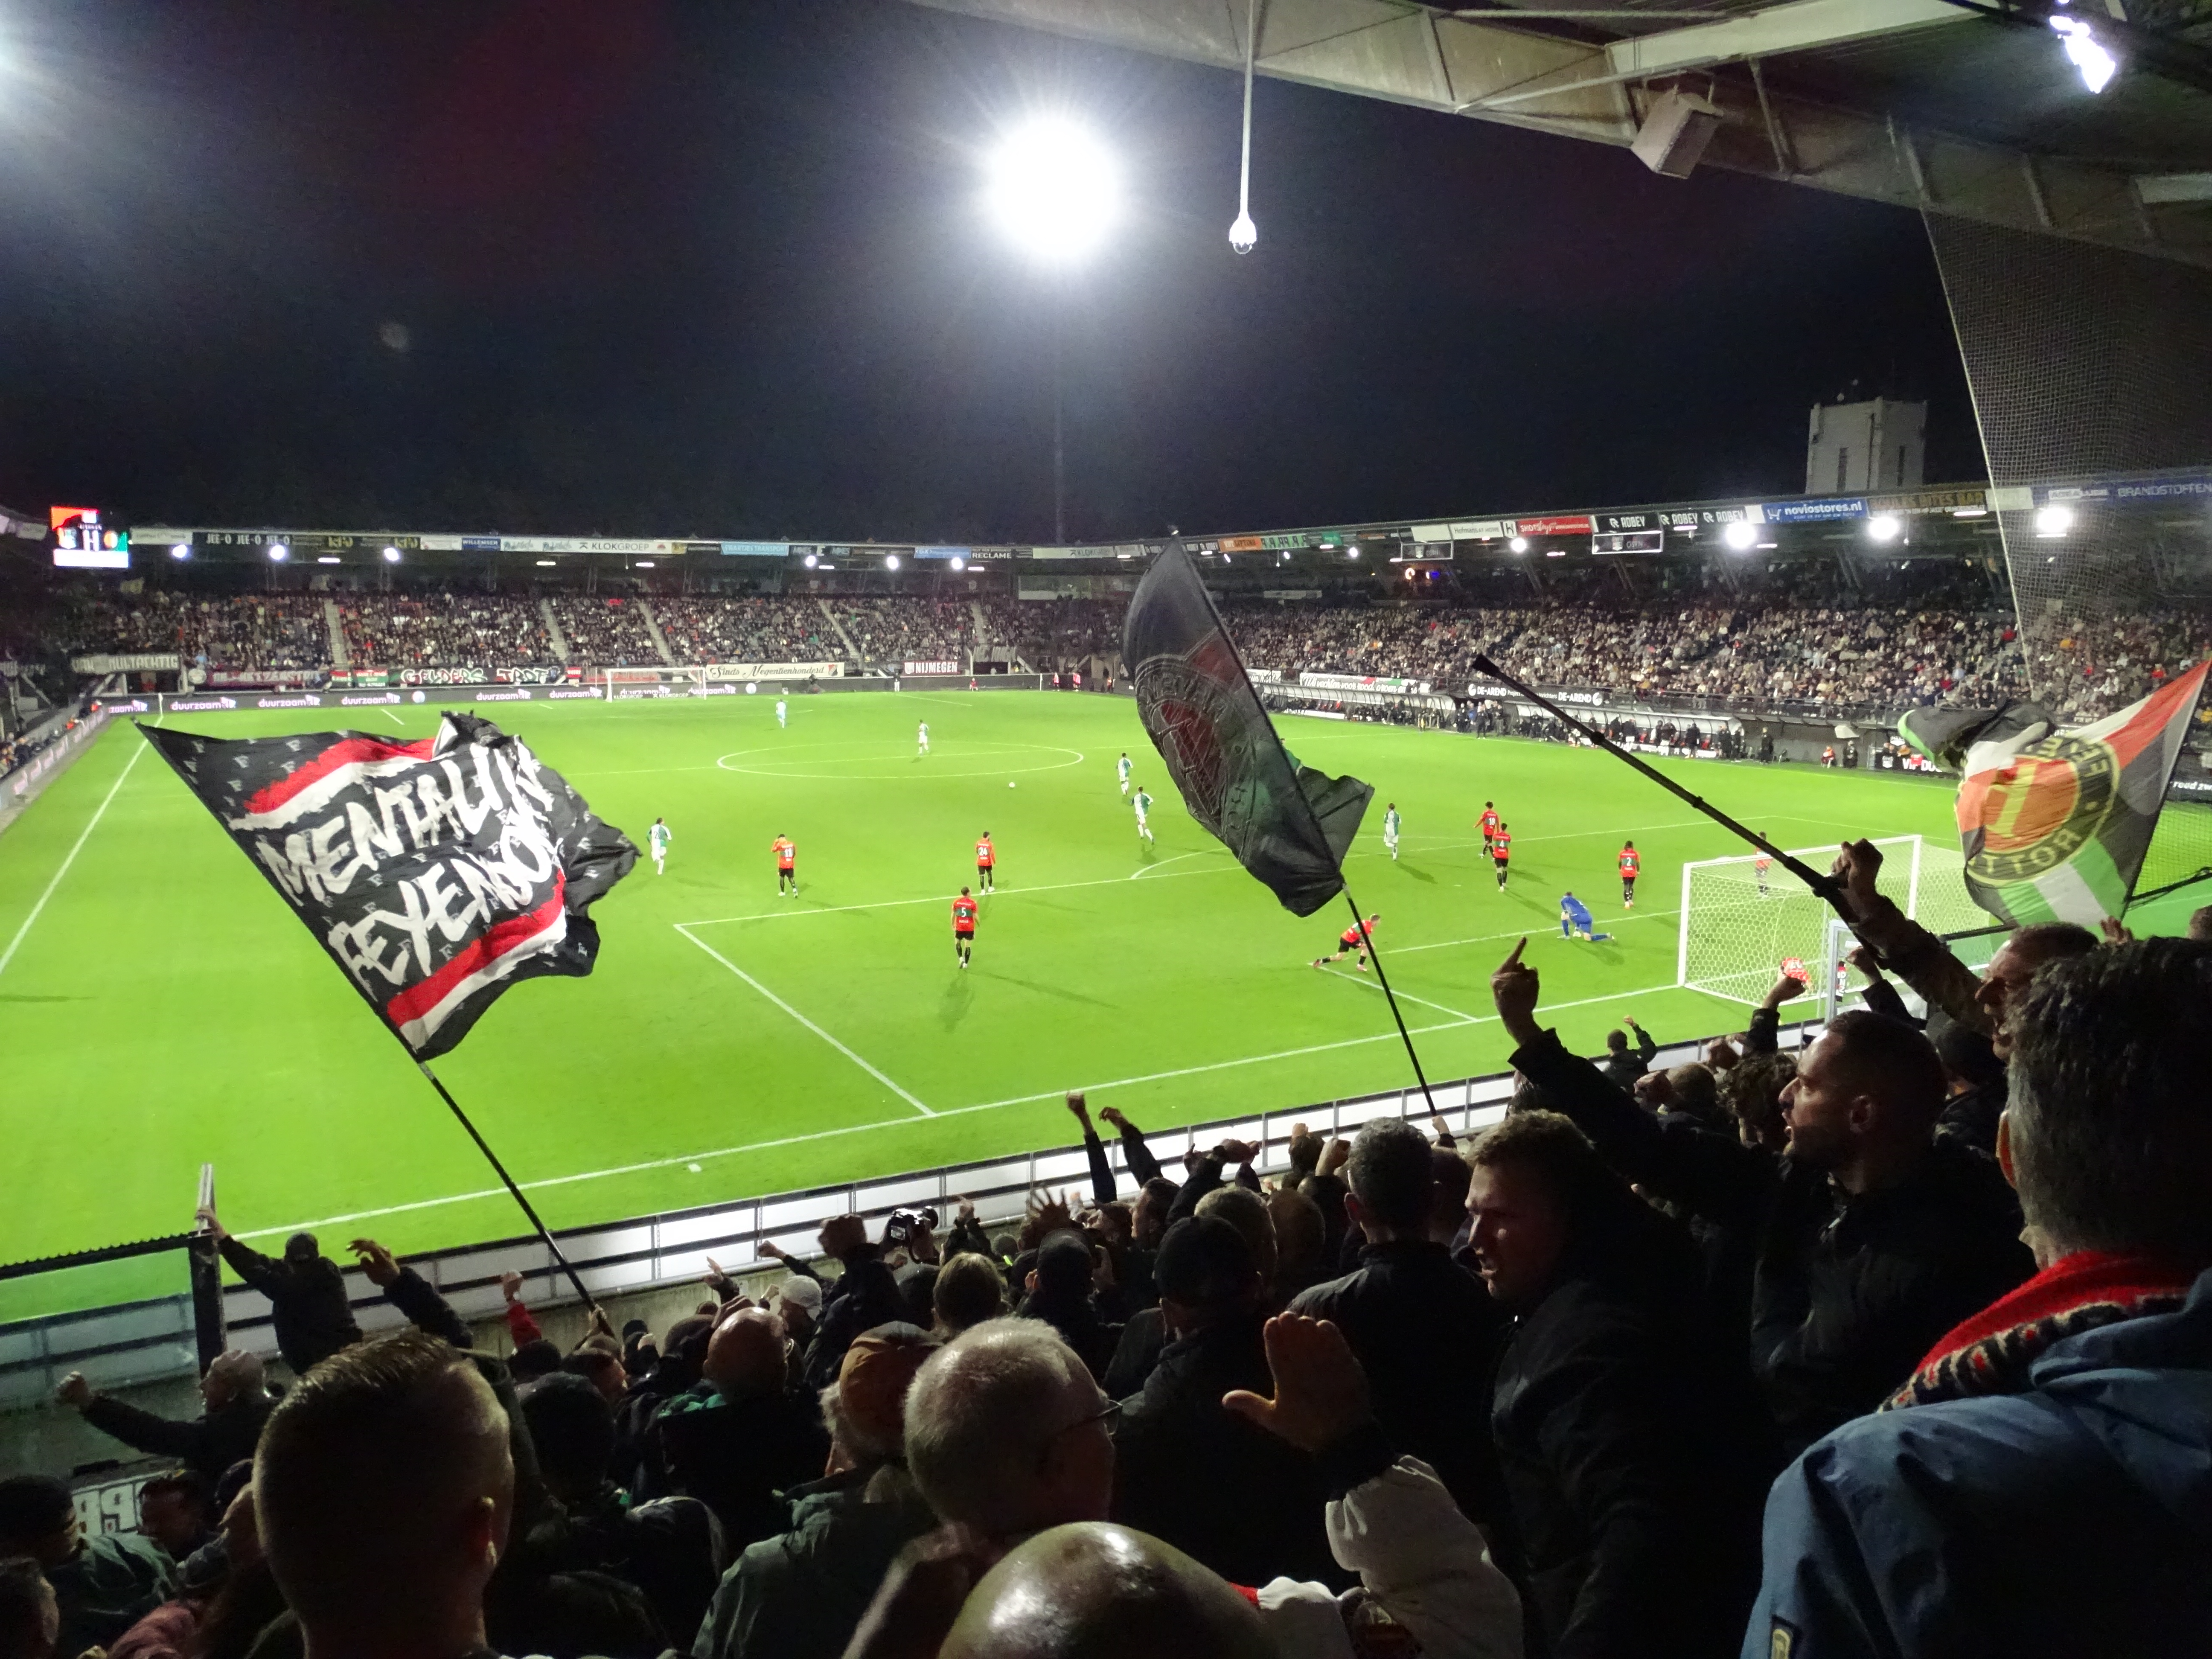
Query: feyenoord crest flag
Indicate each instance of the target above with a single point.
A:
(436, 873)
(2055, 824)
(1288, 824)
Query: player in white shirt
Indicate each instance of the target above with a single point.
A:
(924, 737)
(658, 838)
(778, 714)
(1390, 829)
(1144, 804)
(1121, 767)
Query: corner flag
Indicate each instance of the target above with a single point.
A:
(436, 873)
(1288, 824)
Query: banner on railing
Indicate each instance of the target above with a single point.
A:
(1364, 683)
(773, 671)
(942, 665)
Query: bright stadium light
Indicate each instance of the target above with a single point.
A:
(2053, 520)
(1519, 543)
(181, 551)
(959, 564)
(1741, 534)
(391, 555)
(810, 561)
(279, 552)
(2091, 59)
(891, 561)
(1885, 528)
(1053, 189)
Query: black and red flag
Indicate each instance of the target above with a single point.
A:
(436, 873)
(1287, 823)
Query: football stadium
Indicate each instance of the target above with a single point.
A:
(1536, 1029)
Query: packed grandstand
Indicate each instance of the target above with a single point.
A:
(1802, 640)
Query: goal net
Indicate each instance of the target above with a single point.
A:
(1738, 928)
(652, 682)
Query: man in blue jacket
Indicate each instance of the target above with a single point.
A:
(2039, 1487)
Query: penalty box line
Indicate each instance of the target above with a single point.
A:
(903, 1094)
(946, 898)
(649, 1165)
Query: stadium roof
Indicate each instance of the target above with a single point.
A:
(1955, 106)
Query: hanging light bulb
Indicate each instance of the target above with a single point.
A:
(1244, 234)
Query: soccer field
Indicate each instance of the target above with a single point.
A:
(161, 1007)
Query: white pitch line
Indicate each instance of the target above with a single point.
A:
(9, 956)
(878, 1076)
(946, 898)
(1407, 996)
(394, 719)
(651, 1164)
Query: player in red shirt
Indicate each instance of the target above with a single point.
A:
(1352, 939)
(787, 870)
(964, 926)
(1501, 849)
(1487, 823)
(1630, 867)
(987, 859)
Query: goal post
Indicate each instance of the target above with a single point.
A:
(1737, 927)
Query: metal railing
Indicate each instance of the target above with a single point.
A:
(167, 1336)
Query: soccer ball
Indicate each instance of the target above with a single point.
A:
(1009, 783)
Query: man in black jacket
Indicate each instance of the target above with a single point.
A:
(864, 1296)
(1215, 1486)
(237, 1401)
(1423, 1329)
(1873, 1236)
(1624, 1434)
(738, 1439)
(307, 1301)
(1622, 1067)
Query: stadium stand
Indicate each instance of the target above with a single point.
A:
(1319, 1393)
(704, 629)
(448, 629)
(605, 632)
(909, 630)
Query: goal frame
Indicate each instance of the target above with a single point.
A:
(1827, 952)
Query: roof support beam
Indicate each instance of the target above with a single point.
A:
(1475, 64)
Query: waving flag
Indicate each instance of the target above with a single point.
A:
(436, 873)
(2055, 824)
(1288, 824)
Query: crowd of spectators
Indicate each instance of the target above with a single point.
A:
(1798, 642)
(1894, 1345)
(458, 628)
(703, 630)
(894, 631)
(605, 631)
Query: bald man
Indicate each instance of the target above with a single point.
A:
(234, 1393)
(1090, 1588)
(737, 1437)
(383, 1489)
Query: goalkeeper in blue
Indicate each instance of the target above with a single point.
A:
(1574, 918)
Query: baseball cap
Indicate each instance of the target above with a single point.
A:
(801, 1291)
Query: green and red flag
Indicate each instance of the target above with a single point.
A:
(2055, 824)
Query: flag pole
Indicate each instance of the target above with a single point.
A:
(500, 1170)
(1825, 886)
(1359, 923)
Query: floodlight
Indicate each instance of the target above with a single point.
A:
(1885, 528)
(329, 558)
(543, 562)
(2054, 520)
(1351, 552)
(181, 551)
(1740, 534)
(2090, 57)
(1053, 189)
(1244, 234)
(279, 552)
(645, 564)
(1519, 543)
(958, 563)
(810, 561)
(391, 555)
(891, 561)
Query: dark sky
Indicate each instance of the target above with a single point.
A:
(720, 268)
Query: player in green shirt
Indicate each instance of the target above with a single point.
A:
(1144, 804)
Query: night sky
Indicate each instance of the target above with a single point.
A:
(720, 270)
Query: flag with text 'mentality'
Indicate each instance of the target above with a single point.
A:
(436, 873)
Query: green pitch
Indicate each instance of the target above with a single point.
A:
(161, 1007)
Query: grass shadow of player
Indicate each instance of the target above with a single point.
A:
(1059, 991)
(959, 997)
(1417, 874)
